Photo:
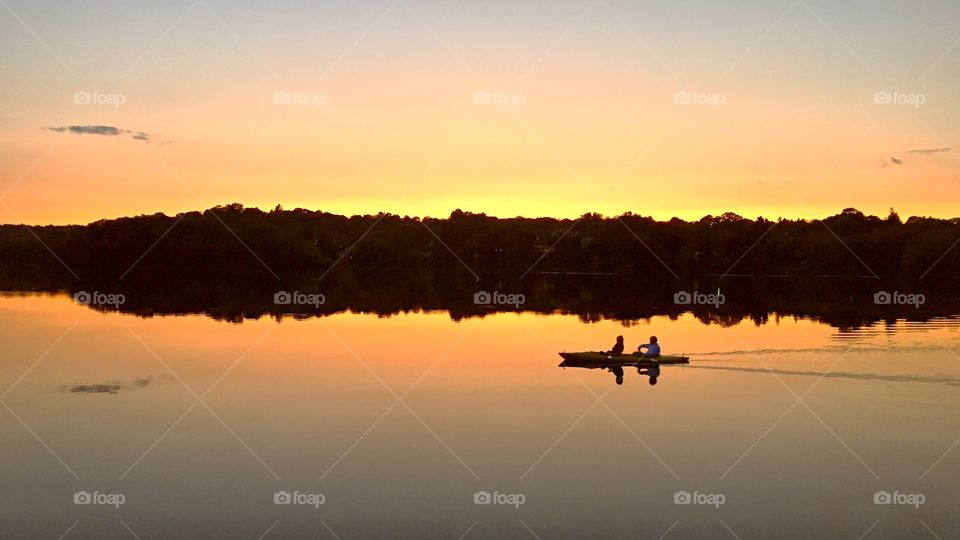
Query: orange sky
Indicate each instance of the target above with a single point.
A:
(591, 113)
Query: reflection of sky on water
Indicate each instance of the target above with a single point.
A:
(314, 402)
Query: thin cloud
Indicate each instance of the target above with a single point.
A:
(107, 131)
(89, 130)
(927, 151)
(917, 152)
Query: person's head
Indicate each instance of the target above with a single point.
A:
(653, 339)
(619, 379)
(653, 380)
(619, 339)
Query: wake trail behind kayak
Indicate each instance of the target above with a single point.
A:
(948, 381)
(864, 348)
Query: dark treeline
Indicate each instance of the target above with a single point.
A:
(221, 243)
(229, 261)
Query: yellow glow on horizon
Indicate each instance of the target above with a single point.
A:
(420, 146)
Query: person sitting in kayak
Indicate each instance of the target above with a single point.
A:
(617, 347)
(653, 349)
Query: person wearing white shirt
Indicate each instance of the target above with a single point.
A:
(652, 348)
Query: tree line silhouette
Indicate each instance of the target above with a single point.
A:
(247, 244)
(229, 262)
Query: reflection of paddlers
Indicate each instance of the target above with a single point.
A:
(651, 371)
(618, 373)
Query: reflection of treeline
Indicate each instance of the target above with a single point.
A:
(226, 242)
(841, 302)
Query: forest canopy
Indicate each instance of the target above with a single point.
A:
(236, 241)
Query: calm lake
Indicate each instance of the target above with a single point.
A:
(415, 425)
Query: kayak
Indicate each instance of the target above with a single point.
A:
(602, 359)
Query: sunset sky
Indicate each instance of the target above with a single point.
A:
(113, 108)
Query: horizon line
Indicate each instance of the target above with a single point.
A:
(472, 212)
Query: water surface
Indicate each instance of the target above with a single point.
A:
(399, 421)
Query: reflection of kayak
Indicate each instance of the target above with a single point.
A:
(600, 359)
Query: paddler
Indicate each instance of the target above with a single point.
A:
(617, 347)
(652, 348)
